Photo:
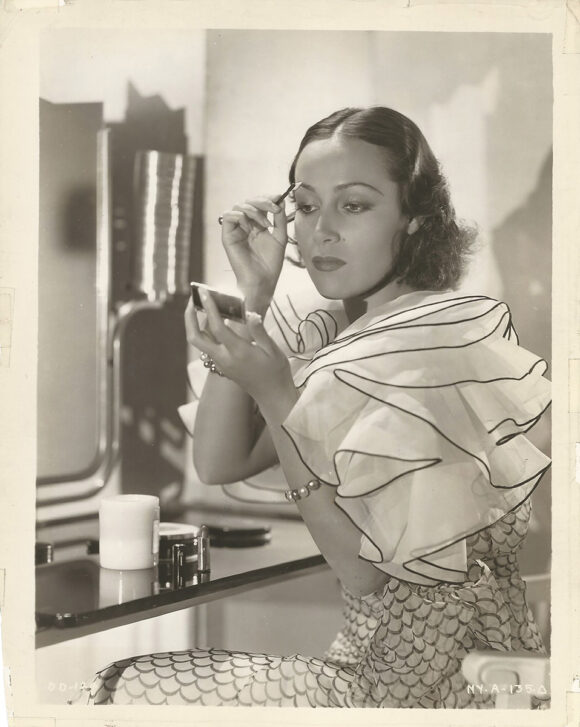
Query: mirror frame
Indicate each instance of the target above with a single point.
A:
(54, 490)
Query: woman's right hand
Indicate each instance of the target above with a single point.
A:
(255, 248)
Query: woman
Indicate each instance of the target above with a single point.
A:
(400, 432)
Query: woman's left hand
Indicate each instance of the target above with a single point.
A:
(250, 358)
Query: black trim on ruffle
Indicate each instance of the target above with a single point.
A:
(277, 312)
(319, 318)
(330, 349)
(440, 307)
(471, 533)
(249, 501)
(426, 421)
(441, 567)
(532, 421)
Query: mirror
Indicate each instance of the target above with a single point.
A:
(131, 214)
(72, 331)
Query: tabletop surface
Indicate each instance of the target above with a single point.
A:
(75, 596)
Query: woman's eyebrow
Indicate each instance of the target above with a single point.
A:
(345, 186)
(358, 184)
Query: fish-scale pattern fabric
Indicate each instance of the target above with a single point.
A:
(399, 647)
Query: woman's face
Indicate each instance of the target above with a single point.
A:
(348, 216)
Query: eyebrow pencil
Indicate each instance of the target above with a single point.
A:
(279, 199)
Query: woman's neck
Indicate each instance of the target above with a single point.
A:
(361, 304)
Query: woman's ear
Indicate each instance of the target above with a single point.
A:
(414, 224)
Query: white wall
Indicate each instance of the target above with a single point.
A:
(482, 100)
(263, 90)
(484, 103)
(82, 65)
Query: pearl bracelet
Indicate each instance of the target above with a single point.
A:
(302, 492)
(209, 363)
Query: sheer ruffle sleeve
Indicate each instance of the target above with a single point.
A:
(417, 415)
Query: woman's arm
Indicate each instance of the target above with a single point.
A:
(262, 370)
(335, 535)
(230, 439)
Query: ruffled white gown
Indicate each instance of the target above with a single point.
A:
(416, 414)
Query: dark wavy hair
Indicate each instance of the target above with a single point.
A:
(435, 256)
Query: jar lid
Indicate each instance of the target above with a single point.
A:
(177, 531)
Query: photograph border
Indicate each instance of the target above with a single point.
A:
(21, 24)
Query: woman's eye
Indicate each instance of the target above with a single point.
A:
(305, 208)
(355, 207)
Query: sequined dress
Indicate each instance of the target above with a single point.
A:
(443, 506)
